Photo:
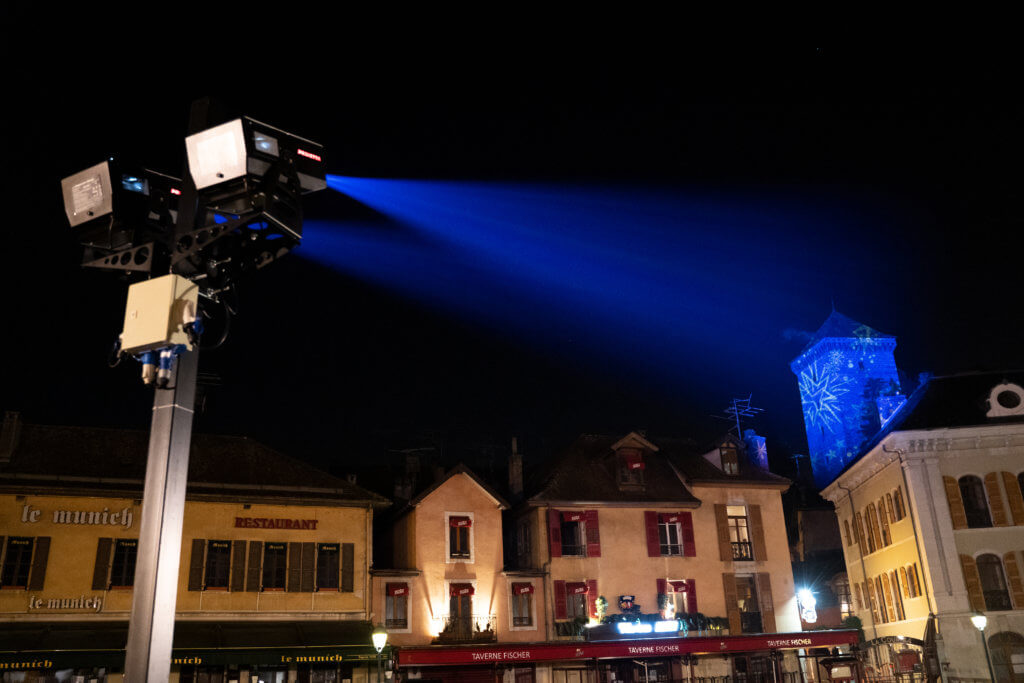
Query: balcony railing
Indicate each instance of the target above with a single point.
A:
(750, 622)
(742, 550)
(997, 600)
(479, 628)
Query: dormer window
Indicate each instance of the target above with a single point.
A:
(730, 460)
(631, 467)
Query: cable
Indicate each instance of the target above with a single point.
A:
(115, 356)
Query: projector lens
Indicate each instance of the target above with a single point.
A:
(135, 184)
(264, 143)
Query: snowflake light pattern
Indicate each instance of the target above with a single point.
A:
(820, 391)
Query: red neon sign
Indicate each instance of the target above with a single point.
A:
(309, 155)
(175, 190)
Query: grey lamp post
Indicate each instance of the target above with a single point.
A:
(980, 621)
(380, 638)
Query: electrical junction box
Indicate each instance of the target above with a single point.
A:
(157, 312)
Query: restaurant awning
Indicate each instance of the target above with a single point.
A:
(637, 649)
(90, 643)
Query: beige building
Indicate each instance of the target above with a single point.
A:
(932, 519)
(274, 582)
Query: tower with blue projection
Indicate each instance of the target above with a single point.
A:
(849, 388)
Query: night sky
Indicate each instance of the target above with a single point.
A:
(575, 248)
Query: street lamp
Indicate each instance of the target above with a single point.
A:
(980, 621)
(379, 637)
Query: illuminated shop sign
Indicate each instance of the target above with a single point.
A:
(268, 523)
(664, 626)
(123, 517)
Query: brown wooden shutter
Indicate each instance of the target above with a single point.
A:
(1014, 497)
(101, 572)
(724, 545)
(294, 567)
(956, 503)
(252, 575)
(593, 534)
(195, 566)
(905, 582)
(876, 535)
(238, 565)
(858, 531)
(308, 566)
(592, 597)
(689, 545)
(757, 531)
(38, 575)
(1013, 578)
(348, 567)
(856, 596)
(973, 581)
(886, 535)
(995, 500)
(560, 609)
(764, 596)
(732, 604)
(555, 532)
(651, 528)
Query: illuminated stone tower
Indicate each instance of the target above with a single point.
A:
(849, 388)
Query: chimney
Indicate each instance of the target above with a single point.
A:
(515, 471)
(9, 435)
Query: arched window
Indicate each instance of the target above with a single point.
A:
(874, 536)
(886, 536)
(993, 583)
(1007, 650)
(884, 598)
(858, 530)
(897, 599)
(908, 589)
(972, 491)
(901, 510)
(892, 510)
(915, 579)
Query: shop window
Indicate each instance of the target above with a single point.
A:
(730, 459)
(218, 565)
(901, 510)
(522, 605)
(993, 583)
(328, 568)
(972, 492)
(122, 566)
(460, 537)
(275, 566)
(396, 606)
(17, 562)
(739, 532)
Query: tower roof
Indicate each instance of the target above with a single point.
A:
(841, 326)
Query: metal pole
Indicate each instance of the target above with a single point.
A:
(988, 659)
(151, 629)
(378, 667)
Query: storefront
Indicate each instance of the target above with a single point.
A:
(204, 652)
(653, 659)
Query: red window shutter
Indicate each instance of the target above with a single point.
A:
(691, 595)
(555, 532)
(592, 597)
(651, 522)
(593, 535)
(560, 610)
(662, 587)
(686, 522)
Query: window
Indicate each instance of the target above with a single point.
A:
(857, 597)
(631, 467)
(750, 608)
(396, 606)
(897, 599)
(576, 600)
(975, 503)
(683, 601)
(891, 508)
(901, 511)
(859, 531)
(874, 537)
(522, 605)
(122, 568)
(739, 535)
(884, 605)
(886, 537)
(730, 461)
(993, 583)
(915, 580)
(523, 542)
(218, 565)
(670, 541)
(327, 566)
(460, 537)
(572, 534)
(17, 562)
(275, 566)
(841, 587)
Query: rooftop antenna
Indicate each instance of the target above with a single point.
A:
(738, 408)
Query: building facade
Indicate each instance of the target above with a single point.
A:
(932, 518)
(274, 582)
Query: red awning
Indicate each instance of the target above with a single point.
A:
(678, 586)
(522, 588)
(576, 587)
(460, 521)
(669, 517)
(397, 588)
(460, 589)
(623, 649)
(573, 515)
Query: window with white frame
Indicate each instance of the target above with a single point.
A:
(460, 537)
(396, 606)
(522, 604)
